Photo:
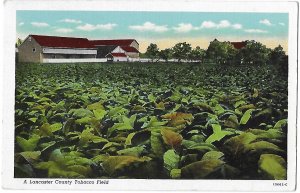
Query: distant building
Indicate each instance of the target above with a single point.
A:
(239, 45)
(117, 50)
(54, 49)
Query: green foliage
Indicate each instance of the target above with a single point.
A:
(272, 166)
(245, 118)
(221, 52)
(218, 134)
(28, 145)
(171, 160)
(114, 164)
(181, 51)
(152, 51)
(165, 54)
(179, 121)
(254, 53)
(66, 165)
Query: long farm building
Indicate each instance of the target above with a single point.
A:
(54, 49)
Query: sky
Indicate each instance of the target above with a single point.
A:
(163, 28)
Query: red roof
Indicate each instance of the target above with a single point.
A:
(62, 42)
(238, 45)
(120, 42)
(129, 49)
(117, 54)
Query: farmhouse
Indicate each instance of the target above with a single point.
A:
(54, 49)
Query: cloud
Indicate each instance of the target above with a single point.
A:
(265, 22)
(255, 31)
(280, 23)
(39, 24)
(64, 30)
(221, 24)
(21, 23)
(184, 28)
(224, 24)
(70, 20)
(148, 26)
(237, 26)
(91, 27)
(208, 24)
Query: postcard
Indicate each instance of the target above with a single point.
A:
(159, 95)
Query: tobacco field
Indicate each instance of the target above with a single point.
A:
(150, 121)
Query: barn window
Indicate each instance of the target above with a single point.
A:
(33, 50)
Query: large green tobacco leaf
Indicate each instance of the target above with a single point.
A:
(235, 145)
(175, 173)
(47, 130)
(28, 145)
(272, 166)
(137, 138)
(268, 134)
(198, 147)
(126, 124)
(245, 144)
(95, 106)
(200, 169)
(171, 160)
(280, 124)
(262, 147)
(154, 123)
(66, 165)
(133, 151)
(87, 136)
(116, 163)
(232, 122)
(79, 113)
(157, 144)
(99, 113)
(204, 107)
(245, 118)
(115, 112)
(31, 156)
(218, 134)
(212, 155)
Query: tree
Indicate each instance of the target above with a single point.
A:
(165, 54)
(152, 51)
(19, 42)
(276, 55)
(182, 51)
(197, 54)
(254, 53)
(221, 52)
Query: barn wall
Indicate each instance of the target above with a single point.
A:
(68, 56)
(120, 59)
(73, 60)
(132, 54)
(135, 45)
(118, 50)
(69, 51)
(26, 53)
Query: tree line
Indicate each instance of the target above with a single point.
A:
(253, 53)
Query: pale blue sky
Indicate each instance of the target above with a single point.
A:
(163, 28)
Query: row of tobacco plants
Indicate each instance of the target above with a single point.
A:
(157, 121)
